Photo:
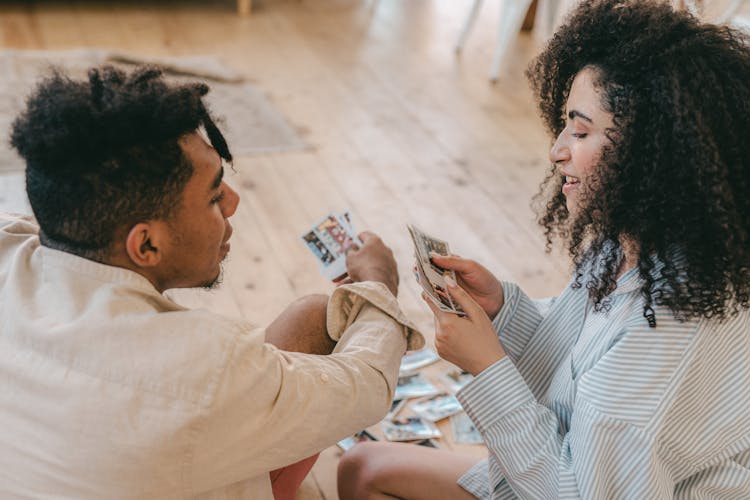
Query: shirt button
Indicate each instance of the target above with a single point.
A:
(324, 377)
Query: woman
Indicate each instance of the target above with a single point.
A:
(635, 383)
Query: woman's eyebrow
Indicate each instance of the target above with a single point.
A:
(573, 114)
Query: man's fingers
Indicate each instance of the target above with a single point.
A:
(350, 246)
(366, 236)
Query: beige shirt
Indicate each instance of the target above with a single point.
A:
(110, 390)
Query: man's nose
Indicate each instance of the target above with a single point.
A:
(231, 200)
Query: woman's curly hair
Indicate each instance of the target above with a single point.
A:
(102, 154)
(675, 179)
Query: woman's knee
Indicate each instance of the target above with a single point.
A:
(358, 471)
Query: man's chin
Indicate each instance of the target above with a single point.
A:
(214, 283)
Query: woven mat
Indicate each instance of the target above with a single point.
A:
(248, 119)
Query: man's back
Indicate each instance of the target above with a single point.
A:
(99, 388)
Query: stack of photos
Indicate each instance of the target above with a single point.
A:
(430, 276)
(430, 405)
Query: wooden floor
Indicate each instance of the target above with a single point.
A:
(402, 131)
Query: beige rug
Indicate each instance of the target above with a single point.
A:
(250, 122)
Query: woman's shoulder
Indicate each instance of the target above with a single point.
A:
(650, 376)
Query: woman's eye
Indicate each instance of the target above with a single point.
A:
(579, 135)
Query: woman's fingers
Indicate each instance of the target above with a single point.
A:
(463, 299)
(433, 307)
(452, 262)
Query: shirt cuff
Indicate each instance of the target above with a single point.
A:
(347, 301)
(510, 302)
(494, 393)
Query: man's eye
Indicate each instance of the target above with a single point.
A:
(218, 198)
(579, 136)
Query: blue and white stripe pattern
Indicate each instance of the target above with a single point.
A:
(598, 405)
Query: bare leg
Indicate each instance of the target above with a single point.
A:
(393, 470)
(301, 327)
(286, 481)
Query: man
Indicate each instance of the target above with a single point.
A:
(110, 390)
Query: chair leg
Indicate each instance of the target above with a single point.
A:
(244, 7)
(512, 14)
(468, 25)
(730, 11)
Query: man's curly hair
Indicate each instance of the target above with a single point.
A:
(102, 154)
(675, 180)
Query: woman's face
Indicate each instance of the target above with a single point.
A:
(578, 148)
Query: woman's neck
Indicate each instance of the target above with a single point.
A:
(630, 251)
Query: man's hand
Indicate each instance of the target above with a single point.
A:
(373, 261)
(476, 280)
(468, 342)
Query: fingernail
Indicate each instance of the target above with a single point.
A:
(450, 282)
(433, 253)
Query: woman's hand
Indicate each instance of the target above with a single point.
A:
(468, 342)
(476, 280)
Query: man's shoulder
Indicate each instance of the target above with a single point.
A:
(13, 223)
(15, 228)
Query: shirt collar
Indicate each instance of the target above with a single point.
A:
(96, 270)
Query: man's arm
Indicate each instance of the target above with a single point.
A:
(274, 407)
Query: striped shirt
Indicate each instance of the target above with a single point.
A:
(598, 405)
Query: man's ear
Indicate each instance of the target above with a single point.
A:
(143, 244)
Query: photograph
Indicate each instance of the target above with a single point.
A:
(414, 385)
(409, 429)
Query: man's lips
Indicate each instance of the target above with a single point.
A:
(226, 245)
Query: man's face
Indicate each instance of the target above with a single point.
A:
(200, 229)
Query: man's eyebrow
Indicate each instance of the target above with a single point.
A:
(573, 114)
(217, 180)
